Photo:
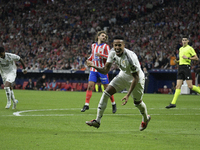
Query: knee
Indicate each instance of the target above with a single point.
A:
(6, 88)
(90, 87)
(190, 86)
(178, 86)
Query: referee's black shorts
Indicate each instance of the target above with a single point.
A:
(184, 72)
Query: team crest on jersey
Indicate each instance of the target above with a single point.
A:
(101, 50)
(123, 62)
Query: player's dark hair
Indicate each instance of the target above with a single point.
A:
(99, 33)
(185, 36)
(118, 37)
(2, 49)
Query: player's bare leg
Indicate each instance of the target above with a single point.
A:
(88, 96)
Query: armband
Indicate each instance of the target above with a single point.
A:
(189, 58)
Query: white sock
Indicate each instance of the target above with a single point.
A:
(12, 96)
(87, 104)
(102, 105)
(113, 103)
(143, 110)
(8, 95)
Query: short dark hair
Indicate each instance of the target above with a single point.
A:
(118, 37)
(99, 33)
(2, 49)
(185, 36)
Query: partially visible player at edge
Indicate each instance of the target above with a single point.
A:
(8, 72)
(100, 51)
(186, 54)
(130, 77)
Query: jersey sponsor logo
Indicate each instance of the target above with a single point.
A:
(103, 78)
(96, 59)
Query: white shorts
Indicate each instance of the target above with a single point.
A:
(120, 83)
(9, 78)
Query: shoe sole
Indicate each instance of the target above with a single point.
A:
(147, 123)
(170, 107)
(88, 123)
(83, 110)
(7, 107)
(16, 102)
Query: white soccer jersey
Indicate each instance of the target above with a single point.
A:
(7, 65)
(128, 64)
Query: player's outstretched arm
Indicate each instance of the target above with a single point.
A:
(103, 70)
(24, 67)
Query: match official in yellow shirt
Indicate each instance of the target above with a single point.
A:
(186, 54)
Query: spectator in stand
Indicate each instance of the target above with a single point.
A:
(165, 62)
(41, 83)
(67, 86)
(79, 87)
(30, 34)
(156, 64)
(83, 68)
(48, 85)
(172, 61)
(30, 85)
(54, 85)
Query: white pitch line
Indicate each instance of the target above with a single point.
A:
(19, 113)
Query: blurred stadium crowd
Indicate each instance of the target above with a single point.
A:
(57, 34)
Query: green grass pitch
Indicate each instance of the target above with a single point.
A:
(52, 120)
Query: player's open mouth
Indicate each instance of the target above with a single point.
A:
(118, 51)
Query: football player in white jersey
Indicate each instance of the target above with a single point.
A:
(130, 77)
(8, 72)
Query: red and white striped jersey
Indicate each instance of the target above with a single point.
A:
(104, 50)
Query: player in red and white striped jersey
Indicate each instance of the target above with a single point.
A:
(100, 51)
(99, 54)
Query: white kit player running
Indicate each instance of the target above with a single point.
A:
(130, 77)
(8, 72)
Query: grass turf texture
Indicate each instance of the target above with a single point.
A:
(56, 122)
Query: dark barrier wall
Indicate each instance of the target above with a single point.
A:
(160, 77)
(157, 77)
(60, 76)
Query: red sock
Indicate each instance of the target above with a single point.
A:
(112, 99)
(88, 96)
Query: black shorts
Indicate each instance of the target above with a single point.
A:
(198, 79)
(184, 72)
